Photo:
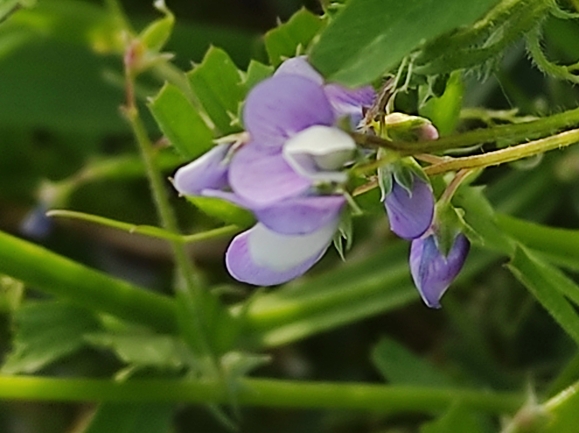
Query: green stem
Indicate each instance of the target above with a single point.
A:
(189, 290)
(188, 286)
(544, 65)
(145, 230)
(260, 392)
(506, 155)
(44, 270)
(505, 133)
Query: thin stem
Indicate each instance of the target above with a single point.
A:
(569, 394)
(511, 133)
(188, 286)
(260, 392)
(454, 184)
(544, 64)
(506, 155)
(145, 230)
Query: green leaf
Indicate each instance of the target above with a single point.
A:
(344, 294)
(293, 37)
(45, 332)
(399, 366)
(223, 210)
(132, 418)
(348, 293)
(180, 122)
(557, 245)
(216, 82)
(143, 349)
(156, 34)
(223, 328)
(256, 72)
(6, 7)
(480, 219)
(370, 37)
(544, 282)
(458, 418)
(11, 294)
(444, 111)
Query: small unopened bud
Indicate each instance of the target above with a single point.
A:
(404, 127)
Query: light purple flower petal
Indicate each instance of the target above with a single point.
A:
(264, 258)
(300, 66)
(283, 105)
(349, 102)
(431, 271)
(262, 176)
(410, 215)
(209, 171)
(301, 215)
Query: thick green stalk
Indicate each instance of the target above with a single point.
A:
(511, 133)
(260, 392)
(42, 269)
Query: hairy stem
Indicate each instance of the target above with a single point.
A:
(506, 133)
(188, 287)
(506, 155)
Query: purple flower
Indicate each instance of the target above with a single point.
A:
(408, 196)
(263, 257)
(294, 152)
(431, 270)
(345, 102)
(208, 172)
(410, 209)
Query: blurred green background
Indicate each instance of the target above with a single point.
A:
(61, 86)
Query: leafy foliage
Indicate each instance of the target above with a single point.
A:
(216, 82)
(293, 37)
(46, 332)
(180, 122)
(359, 46)
(195, 335)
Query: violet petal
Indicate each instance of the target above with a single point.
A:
(301, 215)
(349, 102)
(410, 214)
(283, 105)
(262, 176)
(300, 66)
(264, 258)
(431, 271)
(209, 171)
